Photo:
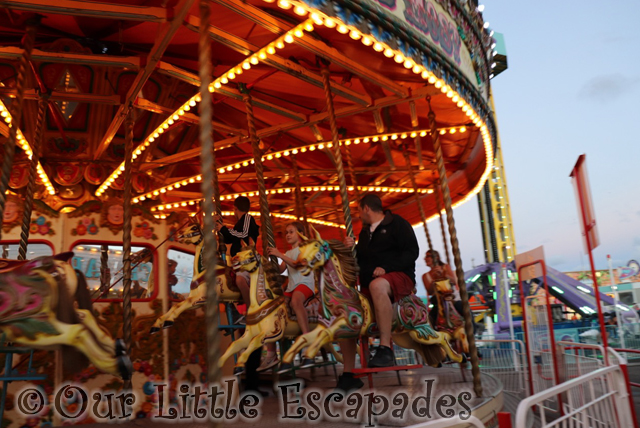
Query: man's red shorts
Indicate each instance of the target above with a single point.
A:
(401, 285)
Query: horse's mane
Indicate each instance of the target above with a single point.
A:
(347, 261)
(271, 273)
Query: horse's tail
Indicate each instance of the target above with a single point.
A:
(73, 361)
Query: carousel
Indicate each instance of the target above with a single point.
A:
(130, 128)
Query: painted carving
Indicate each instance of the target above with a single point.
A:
(86, 225)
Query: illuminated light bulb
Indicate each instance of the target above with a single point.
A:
(388, 53)
(170, 122)
(155, 135)
(316, 18)
(298, 33)
(423, 134)
(385, 138)
(377, 47)
(287, 190)
(465, 108)
(236, 166)
(294, 151)
(231, 75)
(329, 22)
(299, 10)
(463, 129)
(284, 4)
(217, 85)
(246, 65)
(286, 153)
(403, 136)
(432, 79)
(147, 143)
(452, 131)
(191, 180)
(271, 50)
(192, 103)
(185, 182)
(320, 146)
(176, 117)
(163, 190)
(394, 137)
(165, 125)
(367, 41)
(309, 27)
(269, 157)
(450, 94)
(343, 29)
(399, 58)
(355, 35)
(280, 191)
(180, 112)
(303, 149)
(312, 148)
(414, 134)
(425, 74)
(315, 189)
(417, 69)
(439, 84)
(229, 168)
(365, 140)
(288, 38)
(375, 139)
(408, 63)
(198, 98)
(442, 132)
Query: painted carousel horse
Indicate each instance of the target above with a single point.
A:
(225, 281)
(269, 317)
(346, 313)
(37, 311)
(448, 320)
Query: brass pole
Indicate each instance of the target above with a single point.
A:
(207, 160)
(126, 238)
(444, 233)
(466, 312)
(412, 176)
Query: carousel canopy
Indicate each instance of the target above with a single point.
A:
(100, 64)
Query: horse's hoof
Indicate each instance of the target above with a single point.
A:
(121, 347)
(125, 368)
(154, 330)
(167, 324)
(237, 371)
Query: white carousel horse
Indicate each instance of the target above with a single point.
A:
(37, 311)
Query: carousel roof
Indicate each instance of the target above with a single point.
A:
(99, 63)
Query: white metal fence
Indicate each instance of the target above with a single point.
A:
(598, 399)
(505, 360)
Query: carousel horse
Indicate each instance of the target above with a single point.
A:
(225, 281)
(448, 320)
(269, 317)
(346, 313)
(37, 311)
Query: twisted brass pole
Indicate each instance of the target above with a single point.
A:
(466, 312)
(16, 115)
(126, 238)
(326, 83)
(268, 239)
(105, 277)
(299, 198)
(412, 176)
(352, 174)
(444, 233)
(207, 160)
(33, 171)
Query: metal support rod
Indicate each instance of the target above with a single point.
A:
(412, 176)
(352, 173)
(301, 211)
(126, 239)
(16, 115)
(33, 172)
(105, 277)
(268, 239)
(207, 160)
(326, 82)
(466, 312)
(438, 195)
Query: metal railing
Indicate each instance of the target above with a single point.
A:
(505, 360)
(596, 399)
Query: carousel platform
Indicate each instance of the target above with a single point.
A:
(450, 395)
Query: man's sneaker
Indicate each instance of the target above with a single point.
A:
(307, 362)
(348, 383)
(383, 358)
(284, 368)
(268, 362)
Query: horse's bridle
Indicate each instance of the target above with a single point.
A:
(253, 258)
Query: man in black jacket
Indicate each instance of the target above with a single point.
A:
(387, 251)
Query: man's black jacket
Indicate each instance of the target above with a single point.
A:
(392, 246)
(244, 229)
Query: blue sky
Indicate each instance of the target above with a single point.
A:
(572, 88)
